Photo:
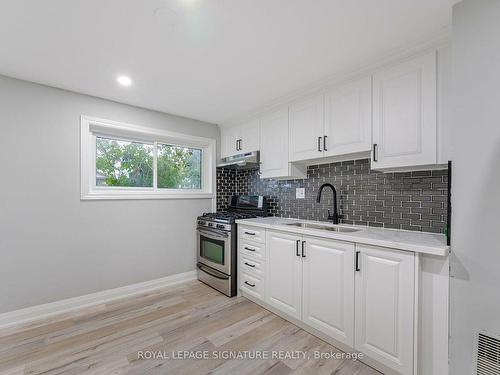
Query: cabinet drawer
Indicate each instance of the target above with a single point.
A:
(251, 285)
(253, 250)
(252, 234)
(251, 266)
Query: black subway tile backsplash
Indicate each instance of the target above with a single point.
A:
(403, 200)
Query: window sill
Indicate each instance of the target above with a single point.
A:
(144, 195)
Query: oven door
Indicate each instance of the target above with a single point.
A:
(214, 249)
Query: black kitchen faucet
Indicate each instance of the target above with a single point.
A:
(335, 217)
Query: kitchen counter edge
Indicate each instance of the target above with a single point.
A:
(418, 242)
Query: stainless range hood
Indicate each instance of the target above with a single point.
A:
(249, 160)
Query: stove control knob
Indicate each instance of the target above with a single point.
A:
(220, 226)
(201, 222)
(210, 224)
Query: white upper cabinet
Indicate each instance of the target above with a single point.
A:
(328, 288)
(392, 115)
(334, 124)
(274, 147)
(249, 136)
(228, 139)
(240, 139)
(274, 144)
(348, 112)
(306, 129)
(404, 114)
(385, 304)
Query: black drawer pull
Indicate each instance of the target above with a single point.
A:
(251, 285)
(250, 265)
(250, 233)
(357, 261)
(249, 249)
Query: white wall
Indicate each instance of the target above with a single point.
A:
(475, 285)
(54, 246)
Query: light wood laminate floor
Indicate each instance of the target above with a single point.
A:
(109, 338)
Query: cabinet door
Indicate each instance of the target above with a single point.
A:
(385, 287)
(228, 138)
(284, 273)
(274, 145)
(306, 129)
(348, 116)
(328, 288)
(404, 114)
(250, 136)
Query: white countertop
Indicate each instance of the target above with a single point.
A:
(419, 242)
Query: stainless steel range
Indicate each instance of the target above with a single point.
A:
(217, 247)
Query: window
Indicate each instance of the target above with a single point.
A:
(179, 167)
(122, 161)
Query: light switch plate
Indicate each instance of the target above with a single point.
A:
(300, 193)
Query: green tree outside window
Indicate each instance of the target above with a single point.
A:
(130, 164)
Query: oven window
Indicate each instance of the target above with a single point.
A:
(212, 250)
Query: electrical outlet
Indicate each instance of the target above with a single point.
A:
(300, 193)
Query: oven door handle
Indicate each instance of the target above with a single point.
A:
(211, 272)
(213, 234)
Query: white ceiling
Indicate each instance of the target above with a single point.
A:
(211, 60)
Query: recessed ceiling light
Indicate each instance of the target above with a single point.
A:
(124, 80)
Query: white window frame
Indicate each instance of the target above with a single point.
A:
(92, 127)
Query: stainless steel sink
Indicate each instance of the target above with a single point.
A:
(330, 228)
(302, 225)
(348, 230)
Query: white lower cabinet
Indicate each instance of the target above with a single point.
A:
(251, 285)
(361, 296)
(385, 287)
(312, 279)
(284, 273)
(328, 288)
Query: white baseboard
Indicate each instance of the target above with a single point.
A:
(44, 311)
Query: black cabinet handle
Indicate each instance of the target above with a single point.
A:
(249, 248)
(297, 248)
(303, 249)
(319, 144)
(250, 233)
(375, 146)
(241, 147)
(250, 265)
(357, 261)
(324, 143)
(252, 285)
